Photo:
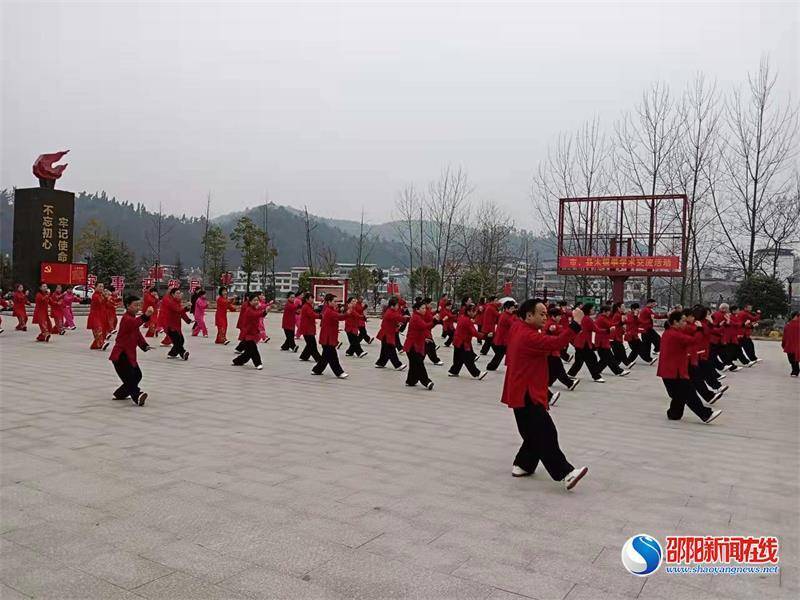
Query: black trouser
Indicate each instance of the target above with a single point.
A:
(430, 351)
(487, 345)
(565, 355)
(177, 343)
(464, 358)
(734, 352)
(355, 344)
(792, 357)
(682, 394)
(699, 382)
(329, 358)
(310, 351)
(416, 369)
(398, 343)
(709, 374)
(539, 441)
(448, 336)
(289, 344)
(585, 355)
(499, 353)
(388, 354)
(717, 357)
(640, 350)
(618, 349)
(130, 377)
(363, 335)
(240, 346)
(249, 352)
(556, 372)
(749, 348)
(651, 338)
(607, 360)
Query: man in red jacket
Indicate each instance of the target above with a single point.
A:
(603, 334)
(500, 339)
(287, 323)
(308, 328)
(525, 391)
(352, 328)
(174, 312)
(584, 347)
(388, 334)
(791, 343)
(649, 335)
(489, 323)
(123, 355)
(252, 313)
(564, 319)
(361, 308)
(463, 355)
(553, 327)
(749, 319)
(329, 339)
(673, 368)
(419, 328)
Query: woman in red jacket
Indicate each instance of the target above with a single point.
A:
(463, 354)
(791, 343)
(584, 348)
(253, 310)
(96, 321)
(150, 299)
(20, 300)
(224, 306)
(500, 338)
(123, 355)
(388, 334)
(673, 368)
(329, 339)
(418, 330)
(618, 335)
(40, 314)
(603, 333)
(361, 308)
(287, 323)
(57, 310)
(174, 312)
(352, 328)
(448, 321)
(525, 391)
(553, 326)
(308, 328)
(490, 318)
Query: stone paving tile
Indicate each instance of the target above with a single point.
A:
(276, 484)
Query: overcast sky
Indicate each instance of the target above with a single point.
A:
(338, 106)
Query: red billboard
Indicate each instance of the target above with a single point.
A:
(53, 273)
(623, 263)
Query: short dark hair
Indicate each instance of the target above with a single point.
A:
(587, 307)
(306, 296)
(509, 304)
(222, 289)
(700, 312)
(329, 297)
(528, 307)
(674, 317)
(289, 294)
(173, 290)
(634, 305)
(649, 300)
(391, 302)
(604, 308)
(130, 300)
(418, 303)
(553, 311)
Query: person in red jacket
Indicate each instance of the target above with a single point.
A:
(725, 332)
(308, 328)
(40, 313)
(584, 348)
(430, 346)
(329, 339)
(491, 316)
(791, 343)
(749, 319)
(500, 338)
(56, 302)
(287, 323)
(388, 334)
(123, 355)
(673, 369)
(525, 391)
(448, 319)
(463, 355)
(564, 319)
(253, 310)
(361, 308)
(96, 321)
(352, 328)
(174, 311)
(553, 326)
(151, 300)
(20, 300)
(647, 330)
(695, 352)
(419, 328)
(602, 341)
(735, 336)
(224, 306)
(617, 328)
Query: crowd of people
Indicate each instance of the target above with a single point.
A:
(539, 343)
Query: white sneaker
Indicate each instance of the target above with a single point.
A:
(380, 366)
(554, 398)
(571, 480)
(714, 398)
(722, 376)
(726, 367)
(519, 472)
(633, 362)
(430, 385)
(259, 367)
(624, 373)
(574, 385)
(363, 354)
(482, 375)
(652, 362)
(723, 389)
(599, 380)
(402, 367)
(342, 376)
(438, 364)
(449, 374)
(713, 416)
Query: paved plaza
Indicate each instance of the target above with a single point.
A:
(235, 483)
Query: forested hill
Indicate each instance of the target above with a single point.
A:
(134, 224)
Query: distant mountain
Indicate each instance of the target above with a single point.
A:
(133, 223)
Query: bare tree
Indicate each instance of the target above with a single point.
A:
(309, 229)
(406, 210)
(157, 234)
(485, 244)
(758, 151)
(328, 260)
(366, 242)
(781, 224)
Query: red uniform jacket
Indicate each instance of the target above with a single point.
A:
(249, 331)
(392, 318)
(618, 333)
(631, 327)
(419, 329)
(20, 301)
(565, 318)
(329, 328)
(502, 329)
(479, 316)
(791, 338)
(602, 328)
(41, 303)
(289, 312)
(490, 318)
(57, 304)
(428, 316)
(362, 318)
(352, 321)
(748, 316)
(97, 312)
(221, 316)
(676, 344)
(553, 327)
(465, 331)
(645, 319)
(584, 338)
(727, 331)
(173, 311)
(526, 366)
(448, 319)
(129, 338)
(308, 320)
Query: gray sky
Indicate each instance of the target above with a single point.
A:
(339, 105)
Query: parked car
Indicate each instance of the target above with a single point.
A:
(80, 292)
